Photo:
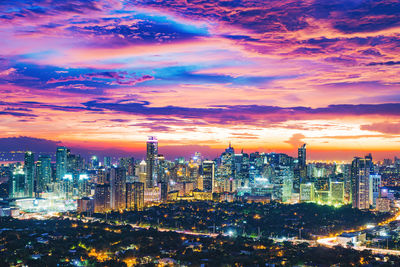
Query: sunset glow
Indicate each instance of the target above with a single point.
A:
(265, 75)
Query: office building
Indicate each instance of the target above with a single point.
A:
(360, 171)
(300, 171)
(102, 198)
(337, 192)
(135, 196)
(374, 185)
(307, 192)
(208, 174)
(107, 162)
(118, 187)
(17, 183)
(43, 173)
(29, 169)
(61, 163)
(151, 161)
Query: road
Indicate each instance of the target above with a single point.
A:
(331, 241)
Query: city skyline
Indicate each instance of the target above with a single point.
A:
(104, 75)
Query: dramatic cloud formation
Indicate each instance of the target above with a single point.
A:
(264, 74)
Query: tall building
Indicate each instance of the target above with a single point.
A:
(142, 172)
(83, 185)
(43, 173)
(67, 186)
(103, 176)
(118, 187)
(374, 185)
(360, 171)
(135, 195)
(29, 169)
(128, 164)
(107, 162)
(151, 161)
(337, 192)
(300, 172)
(307, 192)
(17, 183)
(208, 174)
(102, 198)
(61, 163)
(94, 162)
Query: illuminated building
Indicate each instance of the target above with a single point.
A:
(307, 192)
(94, 162)
(152, 195)
(129, 165)
(75, 163)
(61, 163)
(107, 162)
(383, 204)
(321, 196)
(135, 195)
(225, 170)
(208, 176)
(67, 186)
(337, 192)
(300, 173)
(85, 204)
(102, 198)
(103, 176)
(360, 172)
(43, 173)
(29, 169)
(282, 179)
(83, 185)
(151, 161)
(162, 177)
(374, 185)
(17, 184)
(117, 183)
(143, 172)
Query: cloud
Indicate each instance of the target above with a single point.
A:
(296, 140)
(383, 127)
(25, 143)
(386, 63)
(120, 78)
(7, 71)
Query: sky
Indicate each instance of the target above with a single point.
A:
(264, 75)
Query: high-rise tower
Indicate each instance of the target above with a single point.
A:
(151, 161)
(29, 167)
(360, 172)
(61, 163)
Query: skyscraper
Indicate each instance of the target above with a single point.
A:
(29, 168)
(102, 198)
(374, 186)
(307, 192)
(17, 183)
(135, 195)
(360, 172)
(118, 187)
(107, 162)
(208, 176)
(300, 172)
(151, 161)
(337, 192)
(61, 163)
(43, 173)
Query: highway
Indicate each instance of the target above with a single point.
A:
(331, 241)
